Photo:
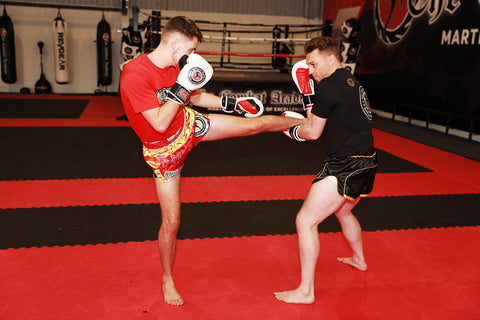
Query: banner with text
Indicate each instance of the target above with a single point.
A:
(276, 97)
(423, 53)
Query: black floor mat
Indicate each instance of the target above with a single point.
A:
(73, 153)
(42, 108)
(111, 224)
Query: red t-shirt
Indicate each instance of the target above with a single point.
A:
(143, 86)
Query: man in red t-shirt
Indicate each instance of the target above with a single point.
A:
(155, 88)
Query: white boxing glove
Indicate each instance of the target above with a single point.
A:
(305, 84)
(195, 73)
(292, 132)
(249, 106)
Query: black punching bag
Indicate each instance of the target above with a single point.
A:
(7, 48)
(104, 53)
(42, 85)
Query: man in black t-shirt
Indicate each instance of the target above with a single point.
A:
(339, 113)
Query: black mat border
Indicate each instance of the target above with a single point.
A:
(63, 226)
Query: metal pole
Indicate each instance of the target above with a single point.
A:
(156, 28)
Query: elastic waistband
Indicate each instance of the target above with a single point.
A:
(370, 153)
(161, 143)
(155, 144)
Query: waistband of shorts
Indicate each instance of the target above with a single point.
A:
(161, 143)
(182, 133)
(371, 152)
(155, 144)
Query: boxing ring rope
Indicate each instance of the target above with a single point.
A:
(252, 40)
(246, 54)
(224, 41)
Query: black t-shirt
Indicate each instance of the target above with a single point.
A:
(343, 102)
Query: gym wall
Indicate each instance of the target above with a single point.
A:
(34, 24)
(420, 55)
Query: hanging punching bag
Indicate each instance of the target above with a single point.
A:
(104, 53)
(42, 85)
(59, 28)
(7, 48)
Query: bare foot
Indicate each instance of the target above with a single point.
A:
(356, 263)
(295, 296)
(171, 295)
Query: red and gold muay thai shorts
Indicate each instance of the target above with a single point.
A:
(167, 159)
(355, 174)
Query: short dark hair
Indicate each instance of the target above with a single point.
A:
(184, 25)
(322, 43)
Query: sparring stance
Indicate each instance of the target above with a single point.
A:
(338, 111)
(155, 89)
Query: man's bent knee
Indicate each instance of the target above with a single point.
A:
(303, 223)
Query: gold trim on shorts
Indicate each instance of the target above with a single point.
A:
(362, 195)
(343, 185)
(152, 156)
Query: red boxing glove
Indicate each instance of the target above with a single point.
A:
(305, 84)
(250, 107)
(293, 131)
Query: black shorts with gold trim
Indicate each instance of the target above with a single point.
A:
(355, 174)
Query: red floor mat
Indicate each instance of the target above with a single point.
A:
(89, 192)
(445, 163)
(413, 274)
(452, 174)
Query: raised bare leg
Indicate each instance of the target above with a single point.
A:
(226, 126)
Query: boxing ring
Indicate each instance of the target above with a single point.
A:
(250, 59)
(243, 46)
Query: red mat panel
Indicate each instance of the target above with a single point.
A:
(452, 174)
(445, 163)
(413, 274)
(88, 192)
